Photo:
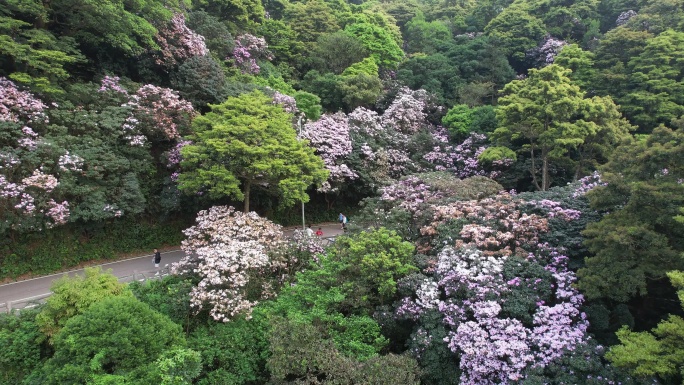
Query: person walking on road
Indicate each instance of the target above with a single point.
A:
(309, 232)
(157, 258)
(319, 232)
(343, 221)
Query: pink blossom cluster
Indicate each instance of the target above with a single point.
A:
(58, 212)
(41, 181)
(406, 113)
(8, 161)
(16, 105)
(547, 51)
(23, 195)
(30, 198)
(226, 249)
(303, 243)
(555, 210)
(288, 103)
(329, 136)
(411, 192)
(153, 110)
(588, 183)
(462, 158)
(470, 284)
(178, 42)
(70, 162)
(111, 83)
(365, 121)
(162, 109)
(494, 348)
(29, 140)
(498, 226)
(174, 156)
(248, 49)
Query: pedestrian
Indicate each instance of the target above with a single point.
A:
(309, 231)
(157, 258)
(319, 232)
(343, 220)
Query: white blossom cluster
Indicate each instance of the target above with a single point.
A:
(225, 250)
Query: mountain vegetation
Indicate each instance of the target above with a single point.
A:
(513, 171)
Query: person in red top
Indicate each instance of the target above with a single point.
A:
(319, 232)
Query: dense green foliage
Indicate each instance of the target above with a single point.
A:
(247, 141)
(120, 120)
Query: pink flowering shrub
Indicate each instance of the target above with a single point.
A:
(154, 110)
(248, 50)
(19, 106)
(28, 186)
(547, 50)
(406, 113)
(461, 159)
(494, 225)
(230, 252)
(177, 42)
(288, 103)
(409, 193)
(162, 110)
(329, 136)
(588, 183)
(505, 301)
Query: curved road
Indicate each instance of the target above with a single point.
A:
(40, 287)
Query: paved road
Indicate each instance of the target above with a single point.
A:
(37, 287)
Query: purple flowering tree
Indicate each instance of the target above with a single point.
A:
(407, 114)
(546, 52)
(506, 301)
(156, 112)
(178, 43)
(28, 184)
(330, 137)
(248, 50)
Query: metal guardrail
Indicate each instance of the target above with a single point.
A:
(31, 302)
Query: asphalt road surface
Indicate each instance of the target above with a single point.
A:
(40, 287)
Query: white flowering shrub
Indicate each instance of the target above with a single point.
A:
(230, 253)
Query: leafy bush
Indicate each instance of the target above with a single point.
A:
(23, 346)
(233, 353)
(118, 335)
(74, 295)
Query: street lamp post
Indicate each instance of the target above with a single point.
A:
(299, 133)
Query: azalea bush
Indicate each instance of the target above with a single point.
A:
(230, 253)
(495, 300)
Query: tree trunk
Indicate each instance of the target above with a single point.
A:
(546, 180)
(245, 191)
(533, 171)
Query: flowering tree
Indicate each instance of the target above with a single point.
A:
(505, 300)
(545, 53)
(329, 136)
(228, 251)
(177, 42)
(161, 110)
(248, 49)
(406, 113)
(28, 186)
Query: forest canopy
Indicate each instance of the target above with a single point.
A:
(513, 171)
